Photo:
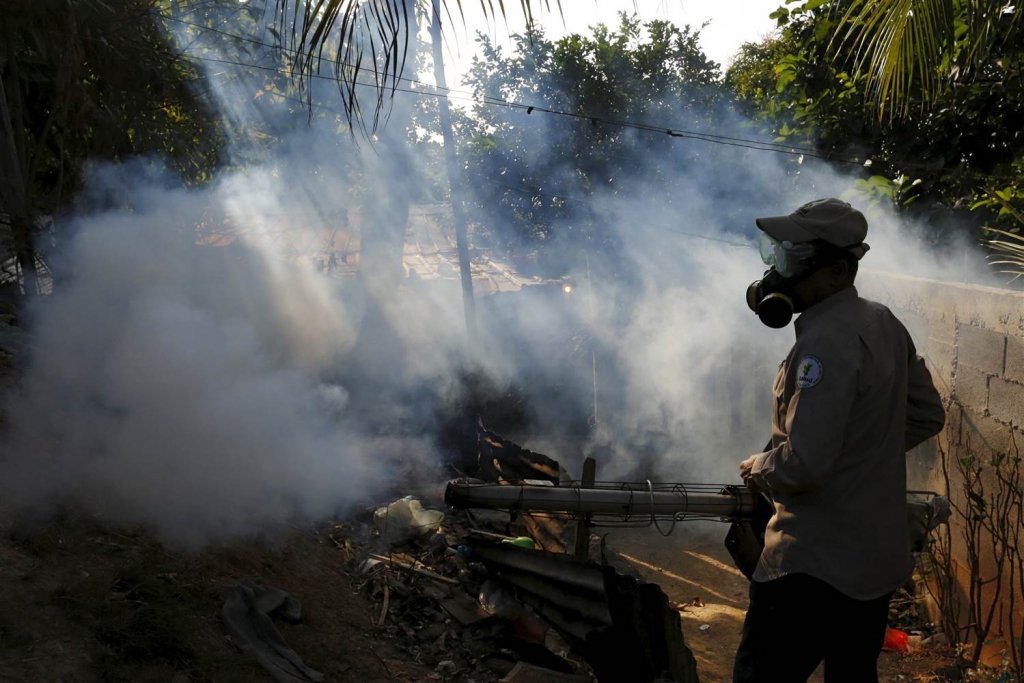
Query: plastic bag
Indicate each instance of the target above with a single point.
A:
(405, 519)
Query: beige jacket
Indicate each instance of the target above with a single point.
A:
(850, 400)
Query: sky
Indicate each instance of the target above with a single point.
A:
(732, 23)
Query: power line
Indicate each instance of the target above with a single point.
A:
(298, 53)
(530, 108)
(794, 150)
(488, 100)
(491, 101)
(537, 191)
(713, 138)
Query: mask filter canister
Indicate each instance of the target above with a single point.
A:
(773, 307)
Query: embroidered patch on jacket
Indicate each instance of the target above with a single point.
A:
(809, 372)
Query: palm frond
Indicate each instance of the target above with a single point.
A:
(1008, 252)
(913, 49)
(900, 44)
(1006, 246)
(364, 40)
(988, 22)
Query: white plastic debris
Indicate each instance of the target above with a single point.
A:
(405, 519)
(367, 565)
(705, 627)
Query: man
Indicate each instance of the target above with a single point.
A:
(851, 398)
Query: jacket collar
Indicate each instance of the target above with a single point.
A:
(817, 310)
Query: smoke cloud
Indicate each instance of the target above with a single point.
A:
(223, 385)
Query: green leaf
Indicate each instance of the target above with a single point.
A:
(785, 79)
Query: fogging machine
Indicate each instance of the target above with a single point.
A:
(662, 505)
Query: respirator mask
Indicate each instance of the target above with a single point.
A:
(771, 297)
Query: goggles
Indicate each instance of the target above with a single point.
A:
(787, 258)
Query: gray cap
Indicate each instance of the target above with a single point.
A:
(831, 220)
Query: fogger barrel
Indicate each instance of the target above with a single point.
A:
(608, 502)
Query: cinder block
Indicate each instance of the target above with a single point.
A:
(941, 303)
(1014, 359)
(984, 435)
(982, 349)
(970, 387)
(939, 355)
(918, 327)
(1006, 401)
(942, 324)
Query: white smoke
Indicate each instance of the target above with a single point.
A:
(216, 390)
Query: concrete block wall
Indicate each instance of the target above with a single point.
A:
(972, 339)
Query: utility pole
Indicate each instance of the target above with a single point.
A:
(593, 324)
(454, 179)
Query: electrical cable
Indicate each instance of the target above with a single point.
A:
(488, 100)
(464, 95)
(671, 132)
(497, 100)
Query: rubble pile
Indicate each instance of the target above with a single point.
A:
(437, 604)
(482, 596)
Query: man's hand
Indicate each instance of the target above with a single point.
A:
(746, 466)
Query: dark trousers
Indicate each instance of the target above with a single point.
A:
(795, 622)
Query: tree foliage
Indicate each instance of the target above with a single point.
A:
(915, 50)
(951, 147)
(90, 80)
(537, 176)
(100, 80)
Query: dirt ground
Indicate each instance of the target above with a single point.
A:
(693, 563)
(82, 602)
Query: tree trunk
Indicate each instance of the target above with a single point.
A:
(454, 179)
